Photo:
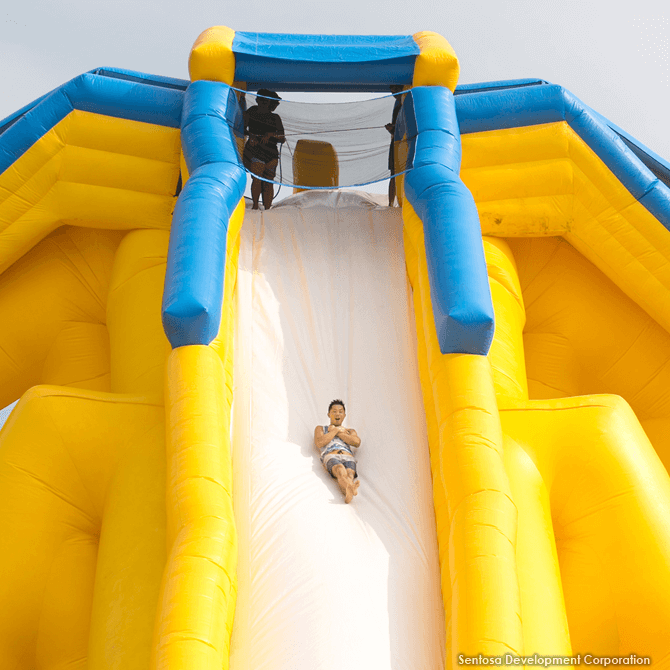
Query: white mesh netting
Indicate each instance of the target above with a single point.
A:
(325, 144)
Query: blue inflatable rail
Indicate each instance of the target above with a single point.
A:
(194, 279)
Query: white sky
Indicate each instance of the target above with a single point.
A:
(613, 55)
(4, 413)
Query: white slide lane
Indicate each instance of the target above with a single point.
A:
(323, 312)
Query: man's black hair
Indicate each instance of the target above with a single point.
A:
(336, 402)
(267, 93)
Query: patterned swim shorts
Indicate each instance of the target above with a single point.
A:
(331, 460)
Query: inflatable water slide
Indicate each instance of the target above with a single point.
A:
(501, 342)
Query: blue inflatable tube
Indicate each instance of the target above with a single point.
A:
(459, 285)
(111, 96)
(194, 278)
(324, 62)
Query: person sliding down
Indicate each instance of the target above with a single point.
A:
(261, 156)
(335, 443)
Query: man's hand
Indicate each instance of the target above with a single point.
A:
(322, 438)
(349, 436)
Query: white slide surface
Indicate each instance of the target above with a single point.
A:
(323, 312)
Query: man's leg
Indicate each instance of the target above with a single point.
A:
(268, 188)
(351, 474)
(344, 482)
(268, 195)
(256, 168)
(391, 190)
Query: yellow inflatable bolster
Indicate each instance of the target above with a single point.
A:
(437, 63)
(480, 528)
(83, 513)
(212, 56)
(199, 586)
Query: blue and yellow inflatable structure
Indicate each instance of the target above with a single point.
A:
(538, 249)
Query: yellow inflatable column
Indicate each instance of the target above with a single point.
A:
(82, 546)
(198, 596)
(506, 354)
(478, 534)
(545, 626)
(442, 517)
(545, 623)
(609, 507)
(137, 342)
(195, 616)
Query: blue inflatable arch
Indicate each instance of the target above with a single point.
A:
(433, 190)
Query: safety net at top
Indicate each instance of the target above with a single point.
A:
(320, 145)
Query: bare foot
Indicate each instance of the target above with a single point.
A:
(351, 475)
(344, 485)
(352, 488)
(350, 492)
(343, 482)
